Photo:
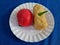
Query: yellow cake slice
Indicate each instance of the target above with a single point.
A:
(40, 21)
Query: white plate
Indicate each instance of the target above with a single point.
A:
(29, 34)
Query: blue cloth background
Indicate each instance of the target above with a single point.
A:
(6, 36)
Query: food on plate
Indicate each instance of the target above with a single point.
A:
(24, 17)
(40, 21)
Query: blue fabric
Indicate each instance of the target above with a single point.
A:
(6, 36)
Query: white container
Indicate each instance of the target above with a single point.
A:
(29, 34)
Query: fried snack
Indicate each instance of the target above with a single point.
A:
(40, 21)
